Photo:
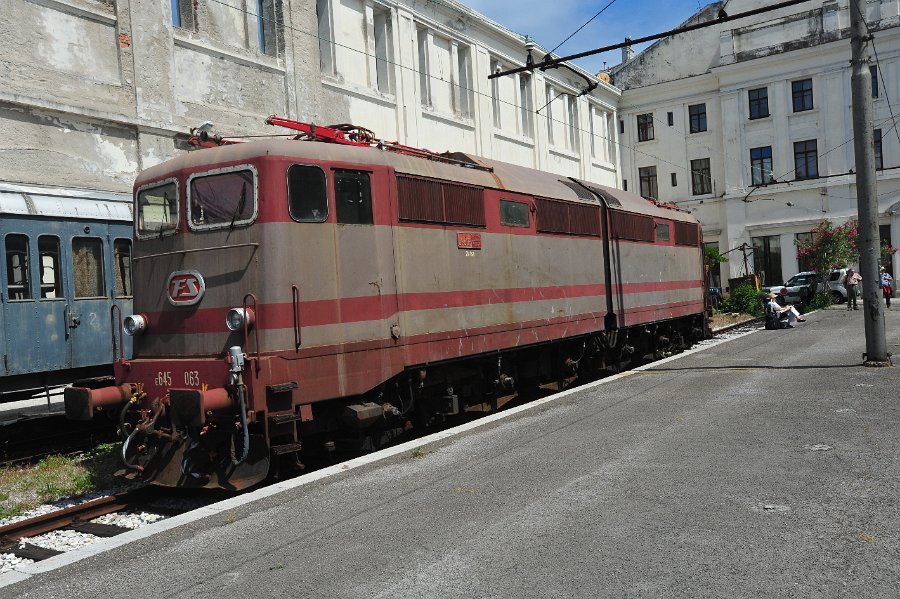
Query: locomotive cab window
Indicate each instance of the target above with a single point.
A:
(662, 232)
(122, 267)
(308, 202)
(353, 197)
(514, 214)
(48, 255)
(18, 281)
(157, 210)
(223, 198)
(87, 267)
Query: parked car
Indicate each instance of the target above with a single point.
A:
(796, 289)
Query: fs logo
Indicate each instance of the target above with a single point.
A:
(185, 287)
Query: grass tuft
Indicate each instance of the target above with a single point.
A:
(24, 487)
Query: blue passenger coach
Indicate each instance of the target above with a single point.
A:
(67, 259)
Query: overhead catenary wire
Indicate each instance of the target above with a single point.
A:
(588, 22)
(416, 71)
(618, 143)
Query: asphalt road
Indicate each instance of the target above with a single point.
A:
(766, 466)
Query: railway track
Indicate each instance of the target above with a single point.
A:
(18, 538)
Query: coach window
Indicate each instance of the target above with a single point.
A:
(157, 210)
(48, 256)
(18, 281)
(122, 267)
(222, 198)
(353, 197)
(513, 214)
(307, 201)
(87, 267)
(662, 232)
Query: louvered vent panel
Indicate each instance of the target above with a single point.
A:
(420, 199)
(584, 220)
(552, 217)
(635, 227)
(463, 205)
(687, 234)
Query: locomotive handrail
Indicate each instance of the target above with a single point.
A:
(255, 328)
(209, 249)
(112, 321)
(295, 299)
(66, 320)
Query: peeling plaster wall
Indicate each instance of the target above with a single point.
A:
(103, 89)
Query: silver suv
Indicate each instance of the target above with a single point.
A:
(796, 289)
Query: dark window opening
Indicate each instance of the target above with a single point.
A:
(761, 165)
(307, 200)
(802, 93)
(806, 159)
(222, 199)
(674, 180)
(645, 127)
(624, 184)
(353, 197)
(647, 176)
(767, 259)
(621, 127)
(87, 267)
(157, 210)
(18, 274)
(759, 102)
(701, 177)
(50, 274)
(514, 214)
(122, 266)
(879, 160)
(670, 116)
(183, 14)
(269, 27)
(697, 113)
(873, 71)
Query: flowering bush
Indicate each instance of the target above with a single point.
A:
(830, 247)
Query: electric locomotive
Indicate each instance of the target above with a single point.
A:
(293, 297)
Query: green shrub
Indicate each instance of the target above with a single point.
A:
(745, 298)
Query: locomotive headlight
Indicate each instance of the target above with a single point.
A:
(134, 324)
(236, 317)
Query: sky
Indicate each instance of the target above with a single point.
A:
(549, 22)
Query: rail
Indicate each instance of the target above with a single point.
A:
(209, 249)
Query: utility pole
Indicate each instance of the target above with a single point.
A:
(867, 202)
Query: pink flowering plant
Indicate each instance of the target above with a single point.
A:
(828, 247)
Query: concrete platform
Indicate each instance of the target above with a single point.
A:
(766, 466)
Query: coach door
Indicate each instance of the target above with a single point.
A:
(88, 319)
(364, 253)
(33, 303)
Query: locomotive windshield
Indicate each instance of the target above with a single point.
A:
(157, 210)
(222, 199)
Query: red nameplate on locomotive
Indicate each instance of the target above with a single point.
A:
(468, 241)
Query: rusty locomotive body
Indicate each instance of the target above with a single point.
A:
(294, 297)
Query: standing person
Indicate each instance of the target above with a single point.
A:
(887, 288)
(850, 282)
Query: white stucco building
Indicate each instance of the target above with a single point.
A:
(102, 89)
(748, 125)
(418, 72)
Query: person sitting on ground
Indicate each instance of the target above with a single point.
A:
(775, 312)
